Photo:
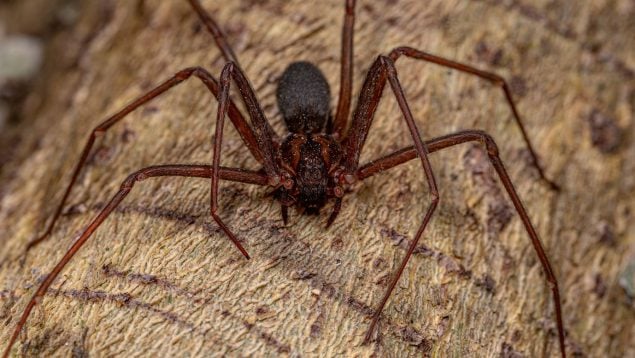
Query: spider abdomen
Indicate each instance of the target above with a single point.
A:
(303, 98)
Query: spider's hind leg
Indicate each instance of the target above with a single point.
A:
(436, 144)
(190, 171)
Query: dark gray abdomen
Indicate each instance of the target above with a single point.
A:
(304, 98)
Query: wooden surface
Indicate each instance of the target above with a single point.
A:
(160, 279)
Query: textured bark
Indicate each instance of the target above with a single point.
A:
(159, 278)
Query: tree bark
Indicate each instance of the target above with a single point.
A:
(159, 278)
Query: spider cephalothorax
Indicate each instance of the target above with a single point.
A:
(311, 161)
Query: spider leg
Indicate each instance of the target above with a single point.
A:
(346, 71)
(383, 68)
(406, 154)
(493, 78)
(199, 171)
(219, 37)
(221, 41)
(265, 136)
(232, 71)
(249, 137)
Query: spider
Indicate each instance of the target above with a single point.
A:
(319, 159)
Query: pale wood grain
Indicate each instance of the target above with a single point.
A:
(478, 291)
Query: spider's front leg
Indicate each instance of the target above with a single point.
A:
(249, 137)
(384, 69)
(261, 126)
(410, 52)
(346, 73)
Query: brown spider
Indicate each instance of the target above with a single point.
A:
(319, 159)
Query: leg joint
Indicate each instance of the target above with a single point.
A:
(139, 175)
(197, 71)
(398, 51)
(488, 141)
(129, 182)
(498, 80)
(185, 73)
(434, 197)
(229, 67)
(386, 62)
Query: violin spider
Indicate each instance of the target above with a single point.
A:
(319, 159)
